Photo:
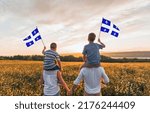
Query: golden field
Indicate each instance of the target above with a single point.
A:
(22, 78)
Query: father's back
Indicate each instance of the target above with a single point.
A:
(92, 77)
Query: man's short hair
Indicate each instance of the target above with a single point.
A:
(53, 45)
(91, 37)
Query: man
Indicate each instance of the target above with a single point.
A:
(91, 78)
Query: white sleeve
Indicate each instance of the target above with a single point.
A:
(105, 77)
(79, 78)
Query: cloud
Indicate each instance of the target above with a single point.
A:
(68, 22)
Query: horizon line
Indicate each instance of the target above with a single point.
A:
(69, 53)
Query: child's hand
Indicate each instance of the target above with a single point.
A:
(103, 85)
(43, 51)
(102, 44)
(99, 40)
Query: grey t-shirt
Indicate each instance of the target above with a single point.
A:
(91, 50)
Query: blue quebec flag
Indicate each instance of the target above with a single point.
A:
(109, 27)
(34, 37)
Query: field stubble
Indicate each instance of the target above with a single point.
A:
(22, 78)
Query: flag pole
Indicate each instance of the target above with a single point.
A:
(41, 38)
(100, 31)
(42, 42)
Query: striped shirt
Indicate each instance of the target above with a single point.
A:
(50, 59)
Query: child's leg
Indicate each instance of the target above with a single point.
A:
(83, 65)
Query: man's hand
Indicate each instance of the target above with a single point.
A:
(69, 93)
(44, 47)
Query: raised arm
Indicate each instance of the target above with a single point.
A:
(43, 50)
(102, 44)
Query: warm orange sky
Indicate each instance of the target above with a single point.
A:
(68, 22)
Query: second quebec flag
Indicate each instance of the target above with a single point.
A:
(108, 27)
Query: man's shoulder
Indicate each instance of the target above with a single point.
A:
(88, 71)
(84, 69)
(92, 69)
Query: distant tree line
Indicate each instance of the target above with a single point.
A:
(70, 58)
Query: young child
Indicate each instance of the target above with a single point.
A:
(91, 54)
(51, 58)
(91, 78)
(52, 72)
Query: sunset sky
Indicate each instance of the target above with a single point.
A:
(68, 22)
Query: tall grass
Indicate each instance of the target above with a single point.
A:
(22, 78)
